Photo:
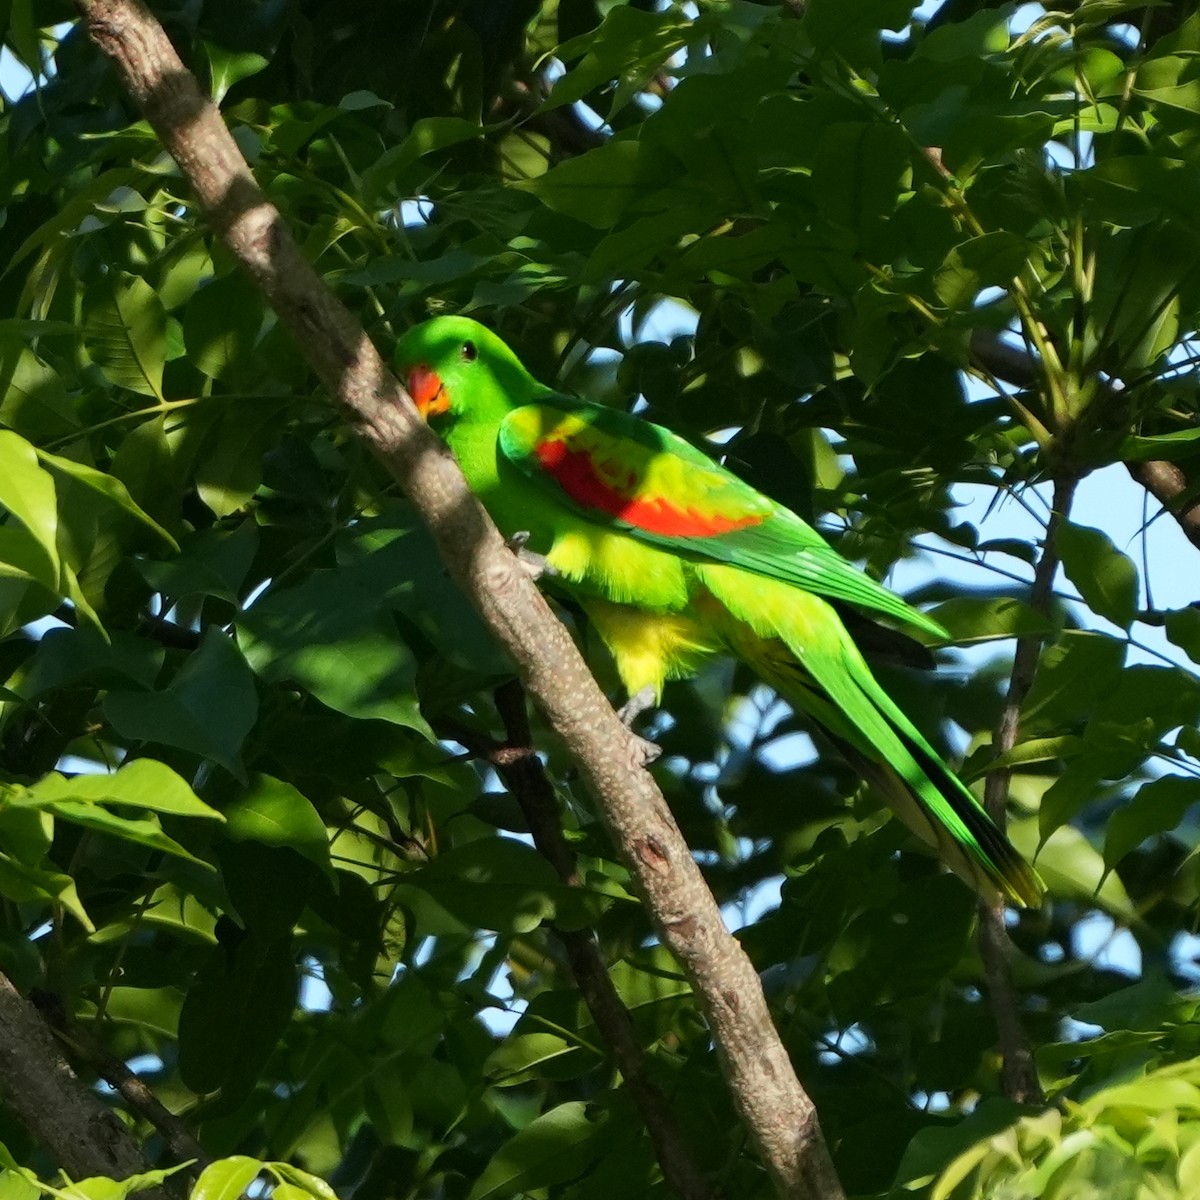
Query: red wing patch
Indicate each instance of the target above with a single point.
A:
(613, 489)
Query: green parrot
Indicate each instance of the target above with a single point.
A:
(675, 559)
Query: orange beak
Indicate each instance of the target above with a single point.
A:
(427, 390)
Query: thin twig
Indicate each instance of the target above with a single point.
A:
(1163, 480)
(136, 1092)
(516, 762)
(61, 1113)
(1019, 1071)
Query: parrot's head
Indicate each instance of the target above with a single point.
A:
(455, 368)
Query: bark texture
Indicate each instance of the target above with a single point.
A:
(60, 1111)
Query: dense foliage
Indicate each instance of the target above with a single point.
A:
(235, 841)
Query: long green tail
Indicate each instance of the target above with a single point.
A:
(805, 653)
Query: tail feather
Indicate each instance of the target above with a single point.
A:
(799, 646)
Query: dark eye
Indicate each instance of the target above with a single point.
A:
(470, 352)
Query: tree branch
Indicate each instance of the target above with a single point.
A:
(134, 1091)
(516, 762)
(778, 1113)
(64, 1115)
(1019, 1072)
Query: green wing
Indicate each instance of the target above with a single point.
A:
(618, 470)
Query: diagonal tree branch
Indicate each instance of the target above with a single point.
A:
(778, 1113)
(85, 1137)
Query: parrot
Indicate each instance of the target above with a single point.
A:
(676, 560)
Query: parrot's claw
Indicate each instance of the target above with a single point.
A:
(629, 712)
(637, 704)
(536, 565)
(649, 751)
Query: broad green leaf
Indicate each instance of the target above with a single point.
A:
(275, 813)
(1183, 628)
(64, 656)
(556, 1147)
(599, 187)
(212, 562)
(1034, 750)
(33, 398)
(125, 333)
(524, 1056)
(629, 48)
(236, 1011)
(332, 636)
(54, 795)
(1073, 676)
(24, 883)
(227, 67)
(858, 175)
(108, 487)
(394, 557)
(221, 323)
(1156, 807)
(303, 1181)
(17, 1183)
(989, 260)
(227, 1178)
(143, 783)
(101, 1187)
(208, 708)
(27, 491)
(427, 135)
(492, 883)
(970, 619)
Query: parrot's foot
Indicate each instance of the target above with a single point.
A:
(536, 565)
(629, 712)
(637, 704)
(650, 751)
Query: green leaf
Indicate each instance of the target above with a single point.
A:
(109, 488)
(227, 67)
(125, 333)
(629, 47)
(492, 883)
(143, 783)
(227, 1178)
(212, 562)
(27, 491)
(394, 557)
(275, 813)
(314, 1185)
(330, 636)
(970, 619)
(989, 260)
(1183, 629)
(208, 708)
(1156, 807)
(236, 1011)
(101, 1187)
(55, 797)
(23, 883)
(221, 324)
(600, 186)
(858, 173)
(64, 656)
(33, 398)
(554, 1148)
(1107, 579)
